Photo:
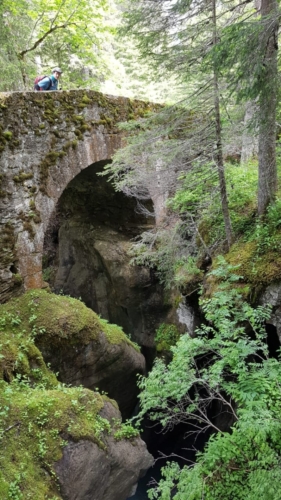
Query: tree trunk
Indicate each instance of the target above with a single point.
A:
(219, 155)
(250, 134)
(267, 185)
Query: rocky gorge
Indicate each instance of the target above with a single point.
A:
(77, 320)
(65, 238)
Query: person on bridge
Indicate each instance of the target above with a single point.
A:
(50, 82)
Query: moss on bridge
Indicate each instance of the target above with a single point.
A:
(18, 112)
(59, 113)
(38, 132)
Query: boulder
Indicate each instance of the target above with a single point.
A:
(110, 367)
(87, 472)
(79, 347)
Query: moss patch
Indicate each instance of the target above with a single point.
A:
(114, 334)
(34, 427)
(30, 218)
(258, 270)
(18, 354)
(38, 415)
(58, 319)
(167, 336)
(22, 176)
(7, 245)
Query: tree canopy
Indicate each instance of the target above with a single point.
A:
(224, 56)
(38, 35)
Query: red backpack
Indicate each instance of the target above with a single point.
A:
(38, 79)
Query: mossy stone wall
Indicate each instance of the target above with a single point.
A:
(46, 139)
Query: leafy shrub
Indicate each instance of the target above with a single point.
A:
(267, 232)
(243, 464)
(125, 431)
(166, 337)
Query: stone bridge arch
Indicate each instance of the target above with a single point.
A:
(46, 140)
(94, 148)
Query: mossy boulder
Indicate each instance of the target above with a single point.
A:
(44, 424)
(35, 426)
(45, 434)
(87, 472)
(80, 347)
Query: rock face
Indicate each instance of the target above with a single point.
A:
(110, 367)
(272, 296)
(94, 264)
(89, 256)
(83, 349)
(87, 472)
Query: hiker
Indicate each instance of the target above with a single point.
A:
(48, 82)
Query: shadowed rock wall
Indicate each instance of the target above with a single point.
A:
(87, 255)
(46, 139)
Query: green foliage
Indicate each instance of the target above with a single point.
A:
(267, 229)
(14, 492)
(196, 189)
(55, 33)
(242, 189)
(227, 363)
(48, 273)
(166, 336)
(239, 55)
(125, 431)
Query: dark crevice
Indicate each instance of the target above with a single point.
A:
(272, 340)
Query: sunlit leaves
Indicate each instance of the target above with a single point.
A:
(59, 31)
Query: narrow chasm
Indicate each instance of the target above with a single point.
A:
(86, 255)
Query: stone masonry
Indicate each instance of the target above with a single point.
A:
(46, 139)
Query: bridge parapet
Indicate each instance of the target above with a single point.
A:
(46, 139)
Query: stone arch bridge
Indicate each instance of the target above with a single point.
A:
(47, 139)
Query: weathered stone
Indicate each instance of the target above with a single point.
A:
(272, 296)
(188, 316)
(94, 264)
(110, 367)
(52, 137)
(86, 472)
(78, 345)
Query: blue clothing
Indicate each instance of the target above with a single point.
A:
(44, 84)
